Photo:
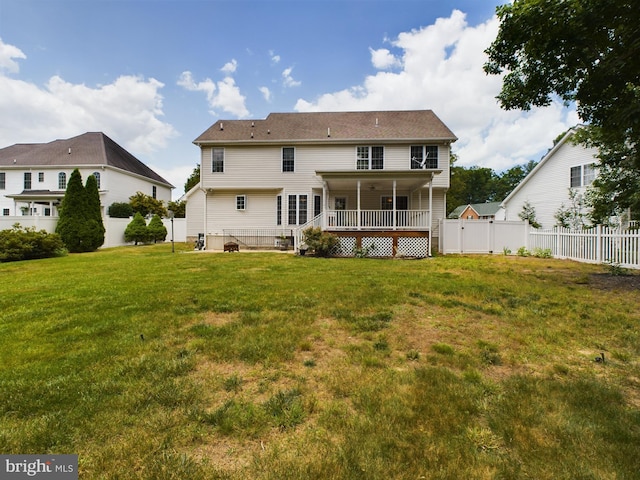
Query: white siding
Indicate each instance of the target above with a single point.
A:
(261, 167)
(547, 188)
(115, 185)
(195, 213)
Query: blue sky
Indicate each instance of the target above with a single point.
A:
(154, 74)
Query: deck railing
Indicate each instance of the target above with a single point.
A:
(377, 220)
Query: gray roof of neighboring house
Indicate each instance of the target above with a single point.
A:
(92, 148)
(482, 209)
(328, 127)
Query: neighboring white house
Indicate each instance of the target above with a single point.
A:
(369, 177)
(566, 166)
(33, 177)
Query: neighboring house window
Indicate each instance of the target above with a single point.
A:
(279, 210)
(47, 212)
(241, 202)
(288, 159)
(369, 158)
(582, 175)
(217, 160)
(97, 175)
(154, 191)
(424, 156)
(40, 177)
(27, 180)
(62, 181)
(340, 203)
(5, 212)
(297, 210)
(3, 180)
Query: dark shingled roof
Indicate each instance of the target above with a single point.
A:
(93, 148)
(328, 127)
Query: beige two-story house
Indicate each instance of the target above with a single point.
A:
(371, 178)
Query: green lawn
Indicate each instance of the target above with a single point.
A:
(153, 365)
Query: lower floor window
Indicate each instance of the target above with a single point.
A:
(297, 211)
(241, 202)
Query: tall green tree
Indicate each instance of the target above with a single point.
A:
(193, 179)
(586, 53)
(95, 225)
(74, 226)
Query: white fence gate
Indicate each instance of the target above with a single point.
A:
(482, 236)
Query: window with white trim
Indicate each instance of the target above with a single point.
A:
(369, 158)
(582, 175)
(424, 156)
(3, 180)
(97, 175)
(279, 210)
(217, 160)
(62, 181)
(297, 210)
(288, 159)
(27, 180)
(40, 177)
(241, 202)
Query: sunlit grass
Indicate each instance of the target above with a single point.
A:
(201, 366)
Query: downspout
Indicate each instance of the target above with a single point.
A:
(430, 206)
(206, 197)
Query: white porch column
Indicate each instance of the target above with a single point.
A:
(358, 207)
(325, 205)
(430, 206)
(394, 205)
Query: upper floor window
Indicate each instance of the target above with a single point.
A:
(62, 181)
(97, 175)
(424, 156)
(3, 180)
(40, 177)
(582, 175)
(369, 158)
(154, 191)
(27, 180)
(288, 159)
(217, 160)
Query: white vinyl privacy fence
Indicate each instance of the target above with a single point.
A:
(595, 245)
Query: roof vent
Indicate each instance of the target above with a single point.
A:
(253, 124)
(221, 126)
(251, 134)
(376, 121)
(69, 150)
(268, 132)
(328, 131)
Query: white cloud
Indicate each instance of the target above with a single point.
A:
(288, 79)
(274, 58)
(441, 70)
(129, 110)
(266, 93)
(224, 94)
(7, 54)
(230, 67)
(383, 59)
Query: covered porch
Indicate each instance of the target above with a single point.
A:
(377, 200)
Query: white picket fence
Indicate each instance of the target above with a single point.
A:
(595, 245)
